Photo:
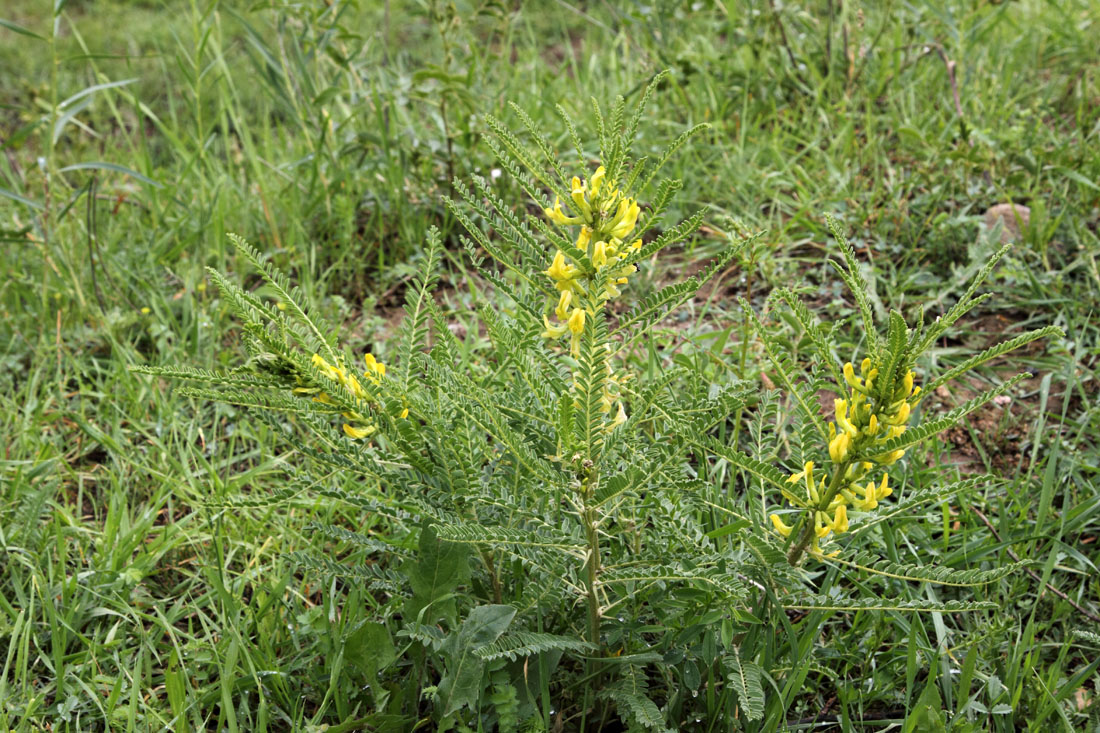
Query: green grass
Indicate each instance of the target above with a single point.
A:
(132, 597)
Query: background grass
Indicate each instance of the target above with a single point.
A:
(134, 135)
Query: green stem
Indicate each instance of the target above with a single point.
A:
(494, 576)
(592, 577)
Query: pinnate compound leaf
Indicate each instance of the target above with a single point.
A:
(476, 534)
(826, 603)
(639, 709)
(516, 644)
(745, 680)
(926, 573)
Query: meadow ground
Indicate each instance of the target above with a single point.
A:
(135, 135)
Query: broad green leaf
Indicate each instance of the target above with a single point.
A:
(435, 572)
(369, 648)
(461, 683)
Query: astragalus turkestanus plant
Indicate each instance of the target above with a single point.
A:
(547, 539)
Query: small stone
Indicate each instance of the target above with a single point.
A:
(1007, 214)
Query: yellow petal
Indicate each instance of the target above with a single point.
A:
(357, 433)
(576, 321)
(597, 180)
(620, 416)
(584, 238)
(840, 520)
(781, 527)
(562, 311)
(599, 255)
(552, 331)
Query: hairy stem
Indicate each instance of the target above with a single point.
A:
(592, 565)
(494, 576)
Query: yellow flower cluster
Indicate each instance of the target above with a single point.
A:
(861, 423)
(358, 426)
(606, 218)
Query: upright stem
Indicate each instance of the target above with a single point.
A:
(592, 566)
(807, 522)
(588, 516)
(494, 576)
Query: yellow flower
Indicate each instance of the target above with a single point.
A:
(838, 447)
(883, 490)
(807, 473)
(902, 415)
(552, 331)
(620, 416)
(576, 321)
(559, 270)
(599, 255)
(373, 365)
(781, 527)
(404, 413)
(323, 366)
(840, 520)
(840, 407)
(796, 477)
(625, 218)
(853, 381)
(584, 238)
(597, 180)
(562, 311)
(578, 195)
(557, 216)
(358, 433)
